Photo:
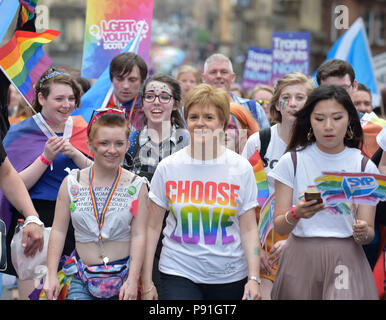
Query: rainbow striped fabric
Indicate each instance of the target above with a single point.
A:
(27, 10)
(23, 60)
(266, 218)
(359, 188)
(260, 177)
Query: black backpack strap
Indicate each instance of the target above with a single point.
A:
(265, 138)
(294, 160)
(363, 163)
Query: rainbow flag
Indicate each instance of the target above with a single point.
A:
(359, 188)
(266, 218)
(260, 177)
(27, 10)
(23, 60)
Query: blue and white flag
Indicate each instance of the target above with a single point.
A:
(354, 48)
(8, 10)
(99, 94)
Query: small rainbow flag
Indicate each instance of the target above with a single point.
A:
(260, 177)
(266, 218)
(359, 188)
(23, 60)
(27, 10)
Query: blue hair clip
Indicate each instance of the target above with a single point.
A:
(51, 75)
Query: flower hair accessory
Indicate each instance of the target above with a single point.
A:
(51, 75)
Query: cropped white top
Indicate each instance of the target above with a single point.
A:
(120, 212)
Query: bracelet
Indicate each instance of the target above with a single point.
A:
(33, 219)
(293, 214)
(44, 160)
(254, 278)
(286, 219)
(147, 291)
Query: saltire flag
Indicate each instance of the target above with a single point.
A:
(23, 60)
(359, 188)
(354, 48)
(267, 215)
(260, 177)
(25, 141)
(8, 10)
(99, 94)
(27, 10)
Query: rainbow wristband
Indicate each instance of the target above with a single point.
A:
(293, 214)
(44, 160)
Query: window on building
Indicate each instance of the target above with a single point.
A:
(380, 31)
(369, 24)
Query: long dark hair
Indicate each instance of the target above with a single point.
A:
(302, 125)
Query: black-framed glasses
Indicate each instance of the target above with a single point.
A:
(163, 97)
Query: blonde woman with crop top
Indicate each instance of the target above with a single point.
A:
(108, 209)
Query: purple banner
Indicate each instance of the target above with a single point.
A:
(257, 68)
(290, 53)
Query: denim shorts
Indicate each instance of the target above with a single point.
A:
(78, 291)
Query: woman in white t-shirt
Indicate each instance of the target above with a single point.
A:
(210, 246)
(323, 257)
(290, 95)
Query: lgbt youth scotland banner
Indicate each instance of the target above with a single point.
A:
(110, 26)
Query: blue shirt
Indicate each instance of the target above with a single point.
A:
(255, 108)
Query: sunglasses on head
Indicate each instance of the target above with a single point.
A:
(97, 113)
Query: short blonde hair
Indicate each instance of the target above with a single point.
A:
(260, 87)
(205, 95)
(288, 80)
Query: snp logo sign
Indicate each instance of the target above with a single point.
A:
(358, 186)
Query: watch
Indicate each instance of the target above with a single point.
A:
(258, 280)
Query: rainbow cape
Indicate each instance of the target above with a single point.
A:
(266, 218)
(23, 60)
(27, 10)
(25, 141)
(359, 188)
(260, 177)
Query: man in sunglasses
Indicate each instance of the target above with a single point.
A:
(128, 71)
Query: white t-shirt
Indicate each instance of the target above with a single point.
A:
(206, 198)
(311, 162)
(381, 139)
(275, 150)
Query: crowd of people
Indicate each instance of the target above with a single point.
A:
(157, 199)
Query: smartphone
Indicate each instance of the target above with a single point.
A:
(313, 196)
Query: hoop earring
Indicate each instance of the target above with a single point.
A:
(310, 135)
(349, 133)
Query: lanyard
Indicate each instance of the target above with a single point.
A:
(118, 104)
(100, 218)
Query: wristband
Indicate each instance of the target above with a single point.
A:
(255, 279)
(148, 290)
(286, 219)
(293, 214)
(33, 219)
(44, 160)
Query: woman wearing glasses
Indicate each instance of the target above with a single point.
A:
(107, 206)
(210, 249)
(290, 95)
(263, 95)
(162, 135)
